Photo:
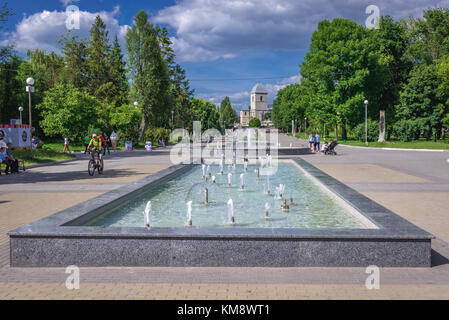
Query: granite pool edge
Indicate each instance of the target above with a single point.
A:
(61, 235)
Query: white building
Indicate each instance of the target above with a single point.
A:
(259, 105)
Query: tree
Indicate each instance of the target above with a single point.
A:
(100, 83)
(227, 113)
(288, 106)
(124, 120)
(392, 43)
(255, 123)
(422, 104)
(119, 90)
(68, 111)
(205, 112)
(5, 13)
(75, 57)
(342, 66)
(149, 73)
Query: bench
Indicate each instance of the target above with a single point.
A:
(21, 164)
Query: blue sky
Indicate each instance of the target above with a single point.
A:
(226, 46)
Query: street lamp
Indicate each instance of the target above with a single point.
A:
(30, 89)
(20, 110)
(136, 104)
(305, 125)
(366, 122)
(172, 120)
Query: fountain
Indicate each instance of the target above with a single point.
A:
(268, 185)
(213, 179)
(291, 201)
(189, 214)
(208, 173)
(285, 207)
(206, 196)
(231, 217)
(204, 171)
(147, 215)
(245, 165)
(242, 182)
(229, 180)
(267, 210)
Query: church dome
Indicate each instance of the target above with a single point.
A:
(259, 88)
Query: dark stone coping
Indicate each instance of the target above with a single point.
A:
(71, 222)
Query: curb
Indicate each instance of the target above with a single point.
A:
(34, 166)
(394, 149)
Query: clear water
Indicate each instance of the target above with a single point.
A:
(312, 208)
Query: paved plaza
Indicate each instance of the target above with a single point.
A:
(415, 185)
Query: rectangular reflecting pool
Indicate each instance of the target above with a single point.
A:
(310, 206)
(327, 224)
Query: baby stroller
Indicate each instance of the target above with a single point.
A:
(331, 149)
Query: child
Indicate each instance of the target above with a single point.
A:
(324, 147)
(312, 142)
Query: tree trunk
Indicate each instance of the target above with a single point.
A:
(344, 133)
(143, 128)
(382, 126)
(336, 131)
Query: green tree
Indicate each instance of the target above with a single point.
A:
(75, 60)
(100, 83)
(392, 42)
(205, 112)
(149, 73)
(68, 111)
(255, 123)
(342, 66)
(119, 90)
(288, 106)
(422, 103)
(227, 113)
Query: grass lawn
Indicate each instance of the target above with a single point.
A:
(418, 144)
(41, 156)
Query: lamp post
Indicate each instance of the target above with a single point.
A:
(30, 89)
(305, 125)
(172, 120)
(366, 122)
(136, 104)
(21, 110)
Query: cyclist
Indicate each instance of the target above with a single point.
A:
(97, 147)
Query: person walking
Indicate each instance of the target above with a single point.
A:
(317, 142)
(66, 145)
(107, 143)
(312, 142)
(86, 143)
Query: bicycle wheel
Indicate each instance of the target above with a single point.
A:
(100, 169)
(91, 168)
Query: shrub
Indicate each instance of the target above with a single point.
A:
(154, 134)
(255, 123)
(373, 131)
(407, 130)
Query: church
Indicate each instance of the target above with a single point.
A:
(259, 105)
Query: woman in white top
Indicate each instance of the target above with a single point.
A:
(66, 145)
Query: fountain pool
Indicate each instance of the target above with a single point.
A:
(179, 218)
(313, 207)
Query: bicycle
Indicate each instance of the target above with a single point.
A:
(95, 165)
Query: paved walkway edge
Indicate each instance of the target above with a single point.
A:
(394, 149)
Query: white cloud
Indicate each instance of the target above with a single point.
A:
(43, 30)
(67, 2)
(213, 29)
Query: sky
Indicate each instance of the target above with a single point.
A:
(225, 46)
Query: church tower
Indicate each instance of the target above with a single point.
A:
(259, 101)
